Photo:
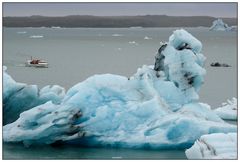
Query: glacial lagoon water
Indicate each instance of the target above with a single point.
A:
(74, 54)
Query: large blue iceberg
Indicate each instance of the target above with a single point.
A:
(155, 108)
(18, 97)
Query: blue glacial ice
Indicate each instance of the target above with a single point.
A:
(18, 97)
(214, 146)
(155, 108)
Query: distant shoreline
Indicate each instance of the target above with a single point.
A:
(86, 21)
(44, 27)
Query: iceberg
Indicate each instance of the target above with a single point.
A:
(228, 111)
(156, 108)
(18, 97)
(219, 25)
(214, 146)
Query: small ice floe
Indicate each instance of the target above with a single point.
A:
(214, 146)
(133, 42)
(147, 38)
(36, 36)
(55, 27)
(135, 27)
(119, 49)
(22, 32)
(117, 35)
(228, 111)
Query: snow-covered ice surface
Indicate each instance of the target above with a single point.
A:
(219, 25)
(228, 111)
(214, 146)
(18, 97)
(151, 109)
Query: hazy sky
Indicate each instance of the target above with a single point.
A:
(113, 9)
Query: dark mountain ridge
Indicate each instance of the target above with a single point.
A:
(113, 21)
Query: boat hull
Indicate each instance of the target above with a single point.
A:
(38, 65)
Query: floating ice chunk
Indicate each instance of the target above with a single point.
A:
(18, 97)
(136, 27)
(147, 38)
(117, 35)
(228, 111)
(22, 32)
(214, 146)
(233, 28)
(36, 36)
(56, 27)
(133, 42)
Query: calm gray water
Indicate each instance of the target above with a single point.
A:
(14, 151)
(75, 54)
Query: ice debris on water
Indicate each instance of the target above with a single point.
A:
(228, 111)
(214, 146)
(36, 36)
(147, 38)
(155, 108)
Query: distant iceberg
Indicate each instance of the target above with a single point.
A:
(155, 108)
(219, 25)
(214, 146)
(228, 111)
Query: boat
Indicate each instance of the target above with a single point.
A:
(36, 63)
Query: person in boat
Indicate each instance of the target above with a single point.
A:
(34, 62)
